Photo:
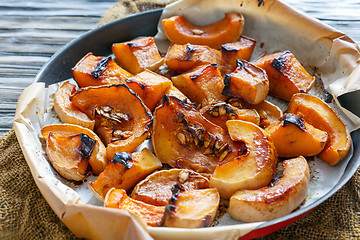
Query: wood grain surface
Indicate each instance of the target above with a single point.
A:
(32, 31)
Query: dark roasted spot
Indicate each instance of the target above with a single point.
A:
(292, 119)
(175, 190)
(100, 67)
(190, 49)
(87, 145)
(261, 2)
(228, 48)
(194, 77)
(165, 100)
(240, 64)
(123, 158)
(327, 97)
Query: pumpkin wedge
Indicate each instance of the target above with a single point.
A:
(202, 85)
(293, 137)
(191, 209)
(95, 71)
(117, 198)
(66, 110)
(286, 74)
(320, 115)
(247, 82)
(250, 171)
(269, 203)
(175, 92)
(121, 119)
(183, 138)
(179, 30)
(97, 159)
(124, 171)
(155, 189)
(184, 57)
(138, 54)
(149, 86)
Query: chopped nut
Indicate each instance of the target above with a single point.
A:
(263, 114)
(197, 31)
(183, 176)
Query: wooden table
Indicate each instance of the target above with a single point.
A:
(31, 31)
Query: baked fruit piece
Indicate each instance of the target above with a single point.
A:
(185, 57)
(124, 171)
(294, 137)
(70, 148)
(286, 75)
(247, 82)
(66, 110)
(269, 203)
(138, 54)
(320, 115)
(149, 86)
(178, 30)
(183, 138)
(202, 85)
(117, 198)
(251, 170)
(155, 189)
(95, 71)
(231, 52)
(121, 119)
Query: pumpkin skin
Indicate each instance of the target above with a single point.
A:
(183, 138)
(121, 119)
(178, 30)
(320, 115)
(95, 71)
(137, 55)
(286, 75)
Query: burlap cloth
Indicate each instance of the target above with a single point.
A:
(25, 214)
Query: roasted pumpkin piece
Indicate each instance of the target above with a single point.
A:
(220, 113)
(179, 30)
(117, 198)
(97, 159)
(269, 113)
(124, 171)
(250, 171)
(138, 54)
(191, 209)
(247, 82)
(231, 52)
(185, 57)
(294, 137)
(286, 74)
(202, 85)
(149, 86)
(121, 119)
(320, 115)
(269, 203)
(173, 91)
(66, 110)
(155, 189)
(95, 71)
(183, 138)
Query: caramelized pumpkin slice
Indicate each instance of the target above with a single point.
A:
(155, 189)
(124, 171)
(319, 114)
(247, 82)
(97, 159)
(138, 54)
(117, 198)
(66, 110)
(149, 86)
(121, 119)
(250, 171)
(231, 52)
(95, 71)
(220, 113)
(294, 137)
(183, 138)
(179, 30)
(269, 203)
(191, 209)
(269, 113)
(202, 85)
(286, 75)
(184, 57)
(175, 92)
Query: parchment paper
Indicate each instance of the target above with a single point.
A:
(329, 54)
